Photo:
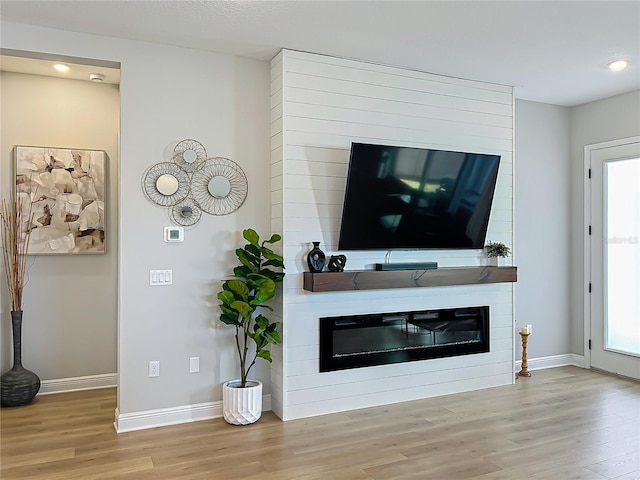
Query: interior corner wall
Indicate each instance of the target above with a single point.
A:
(595, 122)
(542, 227)
(319, 106)
(70, 301)
(169, 94)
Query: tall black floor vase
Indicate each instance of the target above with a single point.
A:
(18, 386)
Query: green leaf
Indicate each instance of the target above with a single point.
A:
(276, 277)
(270, 254)
(261, 284)
(242, 271)
(228, 310)
(266, 354)
(239, 289)
(274, 263)
(261, 298)
(273, 337)
(275, 257)
(253, 250)
(243, 309)
(274, 238)
(247, 259)
(261, 322)
(226, 297)
(268, 331)
(230, 319)
(251, 236)
(271, 333)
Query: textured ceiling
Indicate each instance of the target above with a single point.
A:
(550, 51)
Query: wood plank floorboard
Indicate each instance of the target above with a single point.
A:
(561, 424)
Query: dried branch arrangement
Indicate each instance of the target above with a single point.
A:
(15, 222)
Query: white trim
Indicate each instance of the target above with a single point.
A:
(76, 384)
(588, 149)
(162, 417)
(586, 252)
(553, 361)
(514, 250)
(613, 143)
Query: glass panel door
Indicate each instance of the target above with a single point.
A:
(614, 257)
(622, 256)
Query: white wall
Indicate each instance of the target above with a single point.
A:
(542, 227)
(319, 106)
(608, 119)
(169, 94)
(70, 302)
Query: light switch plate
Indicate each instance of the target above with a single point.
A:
(160, 277)
(194, 364)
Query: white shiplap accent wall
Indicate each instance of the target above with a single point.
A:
(319, 106)
(277, 351)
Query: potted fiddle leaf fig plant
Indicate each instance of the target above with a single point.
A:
(496, 251)
(243, 298)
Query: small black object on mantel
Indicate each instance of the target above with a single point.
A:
(316, 258)
(407, 266)
(337, 263)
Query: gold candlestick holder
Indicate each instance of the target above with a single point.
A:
(524, 372)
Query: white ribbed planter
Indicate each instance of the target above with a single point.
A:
(496, 261)
(241, 406)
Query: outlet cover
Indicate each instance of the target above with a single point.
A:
(154, 368)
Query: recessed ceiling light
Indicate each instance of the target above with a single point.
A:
(618, 65)
(96, 77)
(61, 67)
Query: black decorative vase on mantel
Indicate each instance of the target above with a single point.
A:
(316, 258)
(18, 386)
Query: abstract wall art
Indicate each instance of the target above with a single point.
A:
(67, 190)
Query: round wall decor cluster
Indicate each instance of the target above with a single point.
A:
(192, 183)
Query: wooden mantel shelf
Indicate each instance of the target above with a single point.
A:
(373, 279)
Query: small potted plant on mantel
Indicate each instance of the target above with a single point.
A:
(496, 252)
(253, 286)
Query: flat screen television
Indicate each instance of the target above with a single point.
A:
(415, 198)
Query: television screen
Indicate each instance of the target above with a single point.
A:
(414, 198)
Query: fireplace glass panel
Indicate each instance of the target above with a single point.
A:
(375, 339)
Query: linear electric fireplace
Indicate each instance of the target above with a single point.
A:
(381, 338)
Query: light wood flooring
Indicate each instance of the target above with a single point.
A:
(560, 424)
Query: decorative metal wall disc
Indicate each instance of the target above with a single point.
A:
(219, 186)
(192, 183)
(166, 184)
(186, 213)
(189, 154)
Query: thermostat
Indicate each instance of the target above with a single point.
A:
(173, 234)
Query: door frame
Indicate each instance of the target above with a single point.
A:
(587, 237)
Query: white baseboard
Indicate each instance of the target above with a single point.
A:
(162, 417)
(552, 361)
(74, 384)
